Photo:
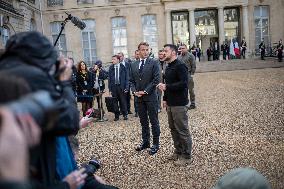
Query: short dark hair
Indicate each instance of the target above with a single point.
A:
(172, 47)
(161, 50)
(120, 53)
(143, 43)
(116, 56)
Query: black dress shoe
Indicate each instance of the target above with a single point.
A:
(192, 106)
(136, 115)
(116, 119)
(153, 150)
(125, 118)
(142, 147)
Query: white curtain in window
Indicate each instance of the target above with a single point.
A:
(89, 42)
(150, 34)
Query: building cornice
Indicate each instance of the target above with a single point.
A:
(107, 7)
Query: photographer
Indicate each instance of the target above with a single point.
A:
(98, 77)
(31, 56)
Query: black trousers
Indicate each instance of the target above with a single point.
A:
(262, 53)
(280, 56)
(147, 110)
(243, 53)
(121, 99)
(128, 97)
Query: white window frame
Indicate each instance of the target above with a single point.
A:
(153, 44)
(119, 28)
(88, 30)
(54, 35)
(267, 43)
(5, 38)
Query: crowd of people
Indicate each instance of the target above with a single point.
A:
(234, 50)
(39, 111)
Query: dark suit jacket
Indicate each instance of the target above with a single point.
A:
(147, 80)
(127, 66)
(123, 78)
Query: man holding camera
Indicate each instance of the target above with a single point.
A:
(31, 56)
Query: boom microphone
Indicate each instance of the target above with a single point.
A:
(76, 21)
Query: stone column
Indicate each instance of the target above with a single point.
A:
(221, 25)
(168, 27)
(192, 27)
(245, 24)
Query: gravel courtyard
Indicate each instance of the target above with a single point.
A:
(239, 121)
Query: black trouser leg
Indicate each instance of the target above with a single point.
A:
(144, 121)
(153, 117)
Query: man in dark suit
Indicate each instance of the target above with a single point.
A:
(144, 77)
(126, 62)
(118, 84)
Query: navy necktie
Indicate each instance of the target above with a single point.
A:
(141, 66)
(116, 75)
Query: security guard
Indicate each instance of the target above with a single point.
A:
(189, 60)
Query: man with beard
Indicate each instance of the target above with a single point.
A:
(175, 100)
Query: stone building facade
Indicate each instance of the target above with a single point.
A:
(119, 25)
(17, 16)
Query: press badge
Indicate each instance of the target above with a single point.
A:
(85, 82)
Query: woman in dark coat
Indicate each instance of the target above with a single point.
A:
(84, 87)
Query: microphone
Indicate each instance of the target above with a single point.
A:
(76, 21)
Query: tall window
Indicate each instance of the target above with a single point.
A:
(89, 42)
(206, 27)
(51, 3)
(180, 27)
(206, 22)
(149, 25)
(231, 24)
(85, 2)
(61, 44)
(119, 35)
(261, 24)
(5, 34)
(33, 25)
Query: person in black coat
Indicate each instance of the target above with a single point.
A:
(126, 62)
(175, 99)
(243, 48)
(37, 63)
(216, 51)
(209, 53)
(280, 51)
(98, 77)
(144, 77)
(84, 87)
(262, 49)
(118, 84)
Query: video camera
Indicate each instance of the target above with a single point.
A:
(91, 167)
(39, 105)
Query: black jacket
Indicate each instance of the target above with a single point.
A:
(176, 79)
(103, 75)
(31, 56)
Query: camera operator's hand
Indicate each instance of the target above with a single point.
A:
(65, 64)
(76, 178)
(99, 179)
(13, 149)
(30, 129)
